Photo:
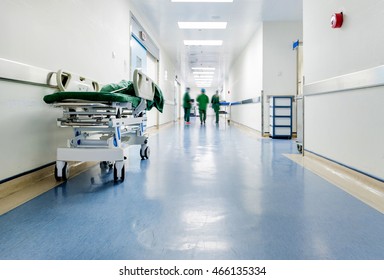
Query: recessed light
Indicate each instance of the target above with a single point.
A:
(202, 25)
(203, 76)
(203, 68)
(203, 42)
(216, 1)
(203, 73)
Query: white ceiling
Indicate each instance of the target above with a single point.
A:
(243, 17)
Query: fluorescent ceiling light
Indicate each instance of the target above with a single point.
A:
(217, 1)
(203, 42)
(203, 80)
(203, 76)
(203, 73)
(203, 68)
(202, 25)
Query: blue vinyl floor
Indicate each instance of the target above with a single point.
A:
(205, 193)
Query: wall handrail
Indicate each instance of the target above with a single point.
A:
(242, 102)
(373, 77)
(23, 73)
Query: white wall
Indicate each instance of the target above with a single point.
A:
(279, 73)
(79, 36)
(167, 85)
(344, 126)
(246, 81)
(29, 134)
(267, 64)
(333, 52)
(89, 37)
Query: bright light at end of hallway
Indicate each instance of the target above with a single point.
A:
(204, 68)
(203, 42)
(203, 73)
(215, 1)
(203, 76)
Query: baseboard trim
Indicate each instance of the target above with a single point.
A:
(22, 189)
(310, 153)
(363, 187)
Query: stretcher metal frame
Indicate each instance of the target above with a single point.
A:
(103, 131)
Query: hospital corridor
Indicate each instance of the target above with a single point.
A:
(106, 153)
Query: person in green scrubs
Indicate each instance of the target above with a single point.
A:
(203, 101)
(216, 105)
(187, 106)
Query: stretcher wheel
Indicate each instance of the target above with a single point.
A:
(300, 148)
(145, 153)
(115, 177)
(56, 174)
(104, 164)
(64, 173)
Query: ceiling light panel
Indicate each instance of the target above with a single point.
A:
(203, 42)
(203, 76)
(204, 68)
(203, 73)
(193, 1)
(202, 25)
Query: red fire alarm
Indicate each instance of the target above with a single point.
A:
(337, 20)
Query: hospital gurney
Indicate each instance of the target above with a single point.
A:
(106, 122)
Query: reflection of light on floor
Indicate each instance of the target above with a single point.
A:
(208, 221)
(204, 245)
(199, 243)
(252, 200)
(204, 162)
(321, 247)
(200, 218)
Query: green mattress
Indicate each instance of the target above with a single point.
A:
(122, 92)
(91, 96)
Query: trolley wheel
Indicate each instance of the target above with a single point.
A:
(145, 153)
(65, 172)
(103, 164)
(300, 148)
(56, 172)
(115, 178)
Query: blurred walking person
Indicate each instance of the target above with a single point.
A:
(203, 101)
(187, 106)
